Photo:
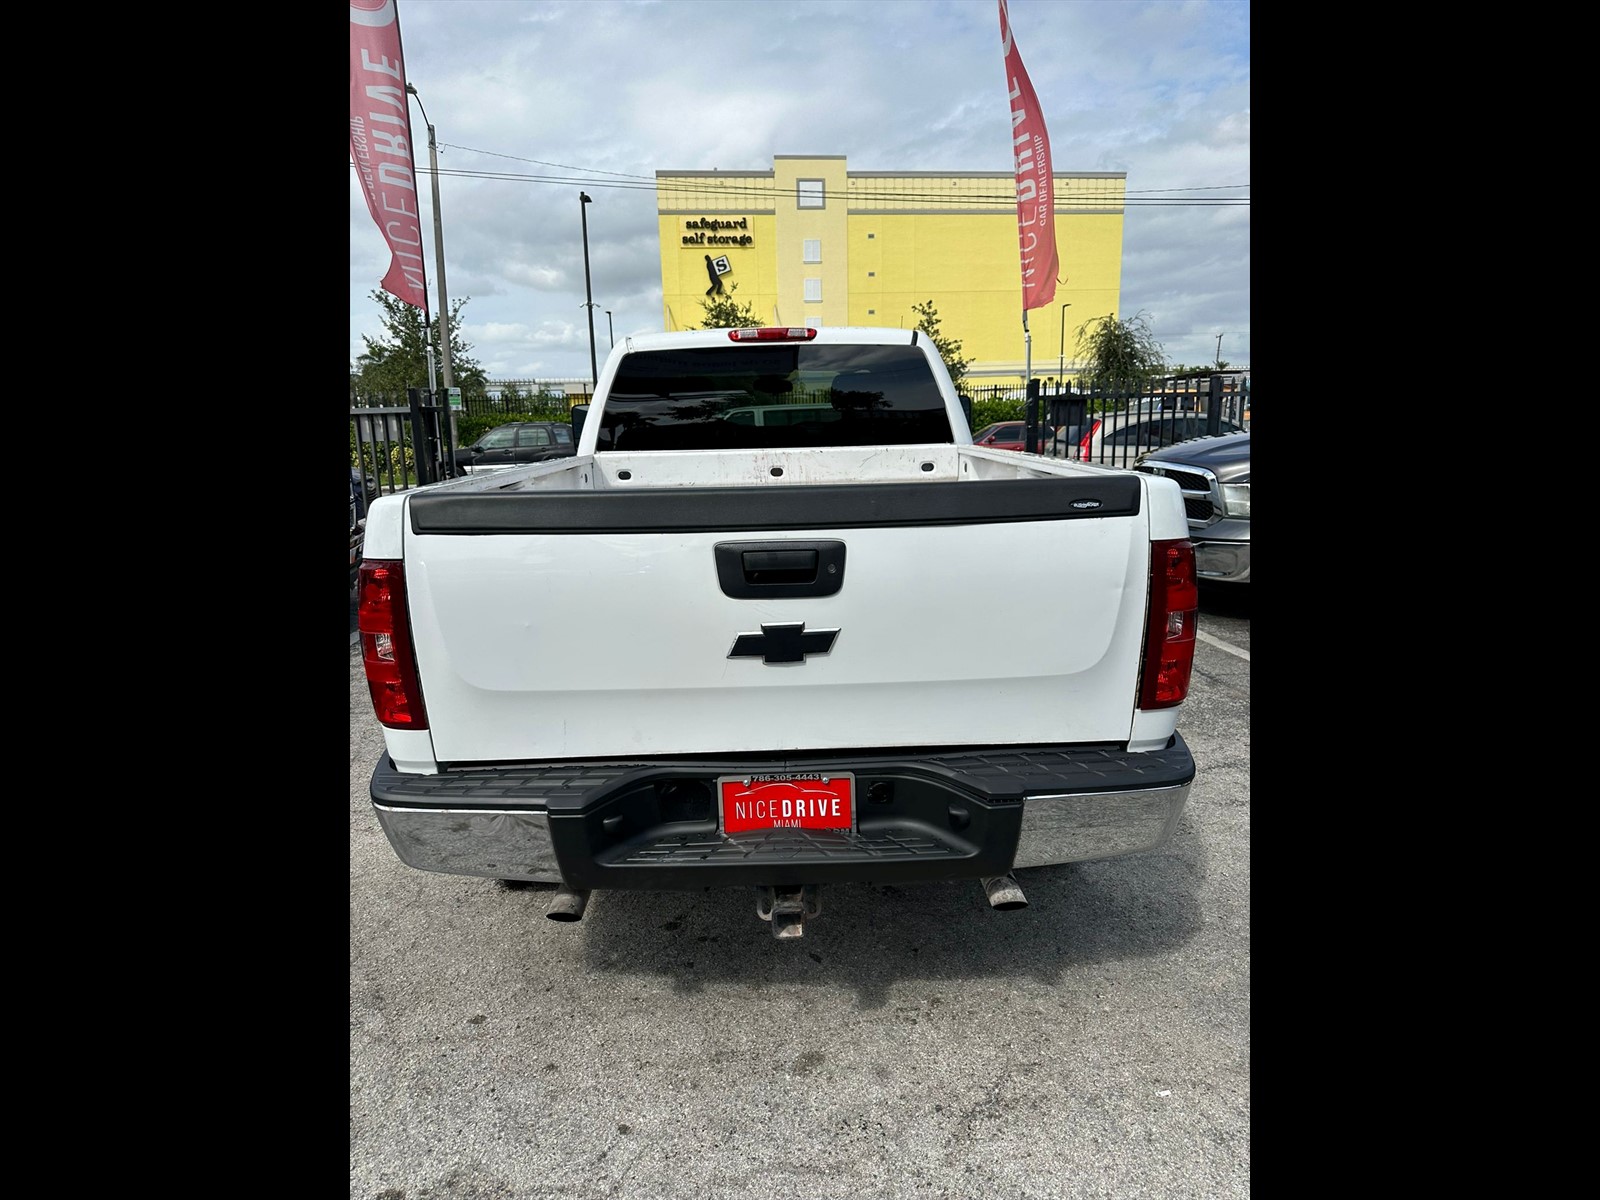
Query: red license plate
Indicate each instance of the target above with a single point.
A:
(787, 800)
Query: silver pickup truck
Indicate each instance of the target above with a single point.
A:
(707, 650)
(1214, 476)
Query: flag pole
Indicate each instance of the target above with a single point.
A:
(1036, 206)
(411, 149)
(378, 111)
(1027, 350)
(1030, 413)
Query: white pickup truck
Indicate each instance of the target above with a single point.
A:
(710, 650)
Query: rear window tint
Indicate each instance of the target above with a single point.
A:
(711, 398)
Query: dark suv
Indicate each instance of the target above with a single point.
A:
(516, 443)
(1214, 474)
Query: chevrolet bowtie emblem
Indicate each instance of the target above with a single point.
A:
(784, 643)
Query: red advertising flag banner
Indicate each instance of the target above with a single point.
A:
(380, 143)
(1036, 192)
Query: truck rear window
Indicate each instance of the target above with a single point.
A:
(778, 396)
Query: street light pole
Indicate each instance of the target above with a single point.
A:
(1219, 352)
(609, 331)
(588, 296)
(438, 254)
(1061, 364)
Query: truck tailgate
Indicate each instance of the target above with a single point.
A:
(544, 633)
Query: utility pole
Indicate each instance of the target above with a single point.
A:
(438, 254)
(612, 333)
(588, 296)
(1219, 352)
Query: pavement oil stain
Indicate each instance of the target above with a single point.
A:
(808, 1062)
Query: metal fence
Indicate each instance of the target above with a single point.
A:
(1184, 390)
(1113, 427)
(529, 395)
(400, 443)
(398, 446)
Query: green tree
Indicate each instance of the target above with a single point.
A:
(724, 312)
(397, 361)
(949, 348)
(1118, 355)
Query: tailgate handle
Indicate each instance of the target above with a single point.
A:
(780, 570)
(779, 566)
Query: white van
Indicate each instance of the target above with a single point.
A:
(782, 414)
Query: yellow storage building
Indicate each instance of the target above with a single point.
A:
(813, 243)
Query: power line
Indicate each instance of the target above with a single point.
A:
(651, 179)
(635, 183)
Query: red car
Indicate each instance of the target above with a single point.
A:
(1010, 435)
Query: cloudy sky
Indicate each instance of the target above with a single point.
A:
(533, 101)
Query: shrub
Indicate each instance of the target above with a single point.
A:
(987, 412)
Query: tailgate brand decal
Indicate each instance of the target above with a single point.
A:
(786, 642)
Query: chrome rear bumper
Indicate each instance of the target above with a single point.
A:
(497, 824)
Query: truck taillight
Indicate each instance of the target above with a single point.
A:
(772, 333)
(1169, 632)
(385, 628)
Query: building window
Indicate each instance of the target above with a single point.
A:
(813, 290)
(870, 236)
(872, 274)
(809, 194)
(813, 322)
(872, 312)
(813, 250)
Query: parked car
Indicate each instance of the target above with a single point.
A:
(515, 443)
(1214, 475)
(1009, 435)
(1118, 439)
(358, 525)
(359, 497)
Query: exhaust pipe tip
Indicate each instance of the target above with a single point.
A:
(568, 904)
(1004, 893)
